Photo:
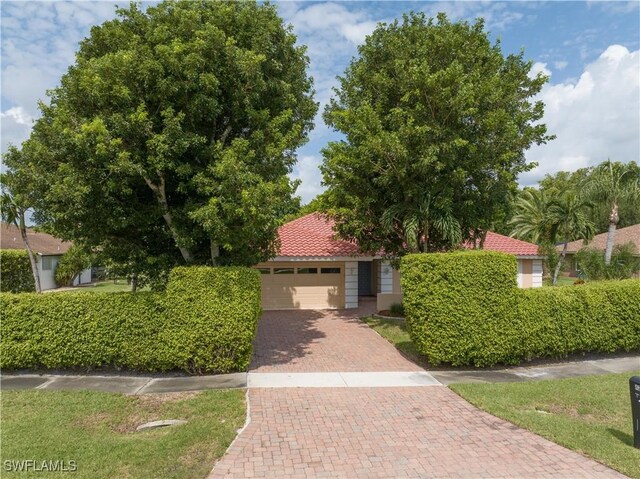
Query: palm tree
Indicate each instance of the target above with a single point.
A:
(569, 219)
(530, 223)
(13, 212)
(421, 222)
(612, 183)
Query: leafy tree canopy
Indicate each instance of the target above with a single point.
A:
(171, 137)
(436, 121)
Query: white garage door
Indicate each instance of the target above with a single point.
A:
(302, 285)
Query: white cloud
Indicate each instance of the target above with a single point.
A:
(15, 125)
(537, 68)
(594, 117)
(560, 65)
(307, 169)
(495, 14)
(39, 41)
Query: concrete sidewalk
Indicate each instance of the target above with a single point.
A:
(143, 385)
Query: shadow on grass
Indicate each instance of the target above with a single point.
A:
(621, 436)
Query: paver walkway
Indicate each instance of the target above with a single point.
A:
(387, 432)
(426, 432)
(323, 341)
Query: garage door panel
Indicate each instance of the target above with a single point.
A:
(303, 291)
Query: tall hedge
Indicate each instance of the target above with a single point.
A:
(205, 322)
(466, 309)
(15, 272)
(212, 317)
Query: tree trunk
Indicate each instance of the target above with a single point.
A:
(559, 265)
(215, 252)
(134, 282)
(32, 259)
(614, 218)
(161, 196)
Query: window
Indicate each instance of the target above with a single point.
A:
(329, 270)
(264, 270)
(47, 263)
(307, 270)
(282, 270)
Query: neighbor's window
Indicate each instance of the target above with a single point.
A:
(264, 270)
(47, 263)
(330, 270)
(307, 270)
(282, 270)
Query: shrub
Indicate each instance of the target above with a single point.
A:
(465, 308)
(72, 263)
(624, 262)
(16, 275)
(206, 322)
(397, 309)
(213, 317)
(455, 301)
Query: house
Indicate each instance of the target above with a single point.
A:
(315, 270)
(47, 249)
(629, 234)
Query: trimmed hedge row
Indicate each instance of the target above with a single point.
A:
(15, 272)
(465, 308)
(204, 323)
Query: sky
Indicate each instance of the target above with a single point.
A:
(591, 50)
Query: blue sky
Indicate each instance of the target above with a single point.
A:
(591, 50)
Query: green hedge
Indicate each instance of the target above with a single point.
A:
(205, 322)
(466, 309)
(15, 272)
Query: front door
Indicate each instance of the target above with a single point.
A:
(364, 278)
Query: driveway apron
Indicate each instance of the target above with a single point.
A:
(381, 432)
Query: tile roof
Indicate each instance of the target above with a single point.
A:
(42, 243)
(630, 234)
(506, 244)
(313, 236)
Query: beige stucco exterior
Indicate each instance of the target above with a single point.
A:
(302, 290)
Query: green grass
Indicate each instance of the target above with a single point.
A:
(110, 286)
(591, 414)
(97, 430)
(395, 331)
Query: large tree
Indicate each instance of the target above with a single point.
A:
(436, 121)
(171, 137)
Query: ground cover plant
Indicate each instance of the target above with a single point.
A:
(98, 431)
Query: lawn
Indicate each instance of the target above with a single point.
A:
(98, 432)
(395, 331)
(591, 414)
(110, 286)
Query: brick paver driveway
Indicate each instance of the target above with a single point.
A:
(425, 432)
(323, 341)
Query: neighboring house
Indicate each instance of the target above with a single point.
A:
(314, 270)
(47, 249)
(630, 234)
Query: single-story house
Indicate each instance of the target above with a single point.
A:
(315, 270)
(629, 234)
(47, 249)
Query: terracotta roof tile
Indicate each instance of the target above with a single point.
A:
(42, 243)
(505, 244)
(313, 236)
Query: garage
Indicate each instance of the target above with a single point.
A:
(302, 285)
